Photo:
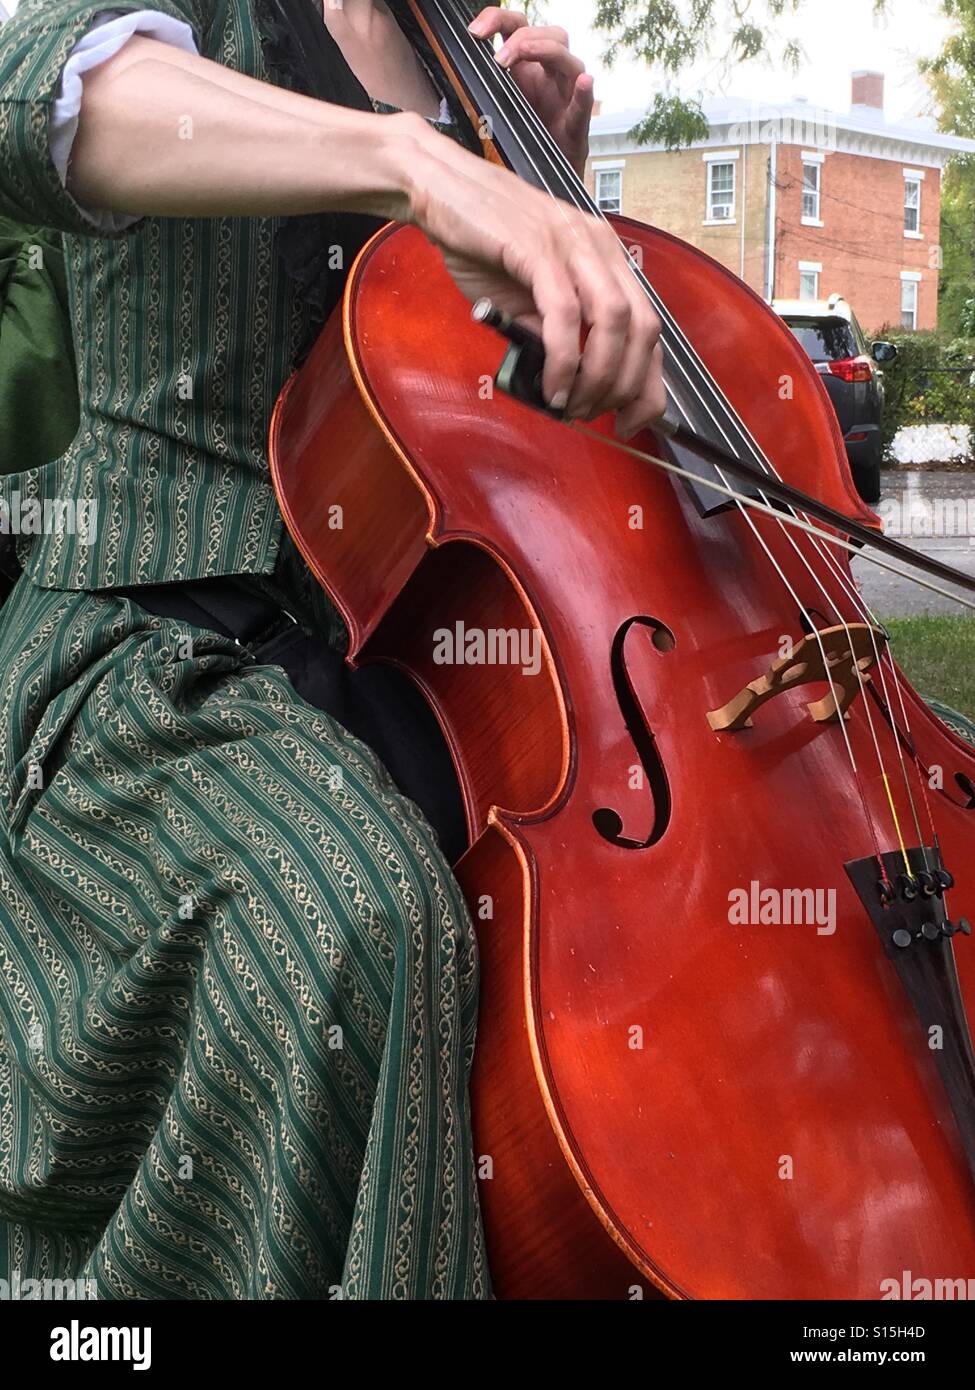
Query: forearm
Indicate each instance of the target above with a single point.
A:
(167, 133)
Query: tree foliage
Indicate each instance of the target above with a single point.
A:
(671, 36)
(929, 382)
(674, 35)
(951, 78)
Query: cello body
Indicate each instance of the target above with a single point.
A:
(666, 1099)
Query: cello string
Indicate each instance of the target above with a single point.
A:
(507, 90)
(867, 707)
(572, 187)
(794, 522)
(912, 746)
(579, 194)
(839, 615)
(496, 76)
(819, 536)
(872, 622)
(880, 662)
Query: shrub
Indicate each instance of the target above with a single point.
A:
(932, 381)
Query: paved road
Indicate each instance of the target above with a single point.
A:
(932, 511)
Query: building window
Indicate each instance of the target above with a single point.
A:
(809, 273)
(609, 190)
(811, 186)
(721, 191)
(909, 297)
(912, 205)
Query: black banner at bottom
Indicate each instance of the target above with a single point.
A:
(276, 1338)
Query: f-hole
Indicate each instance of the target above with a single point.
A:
(609, 823)
(968, 787)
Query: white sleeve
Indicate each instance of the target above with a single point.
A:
(109, 32)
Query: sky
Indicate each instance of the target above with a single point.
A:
(838, 36)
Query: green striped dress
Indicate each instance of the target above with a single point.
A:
(238, 982)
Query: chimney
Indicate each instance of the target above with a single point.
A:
(868, 90)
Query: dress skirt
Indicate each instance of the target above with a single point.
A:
(238, 982)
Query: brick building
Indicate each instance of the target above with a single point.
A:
(799, 201)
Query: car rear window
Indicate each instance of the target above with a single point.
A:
(825, 340)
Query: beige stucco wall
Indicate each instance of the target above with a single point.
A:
(668, 189)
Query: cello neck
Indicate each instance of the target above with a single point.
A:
(495, 105)
(514, 136)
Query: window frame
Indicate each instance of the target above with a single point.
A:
(812, 160)
(815, 269)
(913, 178)
(712, 217)
(719, 158)
(911, 279)
(600, 169)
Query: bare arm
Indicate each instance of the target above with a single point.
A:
(168, 133)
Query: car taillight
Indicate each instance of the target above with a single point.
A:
(852, 369)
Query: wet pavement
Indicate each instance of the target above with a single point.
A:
(930, 510)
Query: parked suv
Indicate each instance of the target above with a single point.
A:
(853, 377)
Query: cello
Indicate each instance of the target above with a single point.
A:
(719, 850)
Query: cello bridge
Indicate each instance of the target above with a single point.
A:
(842, 657)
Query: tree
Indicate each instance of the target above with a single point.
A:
(951, 78)
(672, 35)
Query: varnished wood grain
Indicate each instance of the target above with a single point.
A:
(780, 1130)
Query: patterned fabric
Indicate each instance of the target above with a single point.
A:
(959, 724)
(185, 331)
(239, 982)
